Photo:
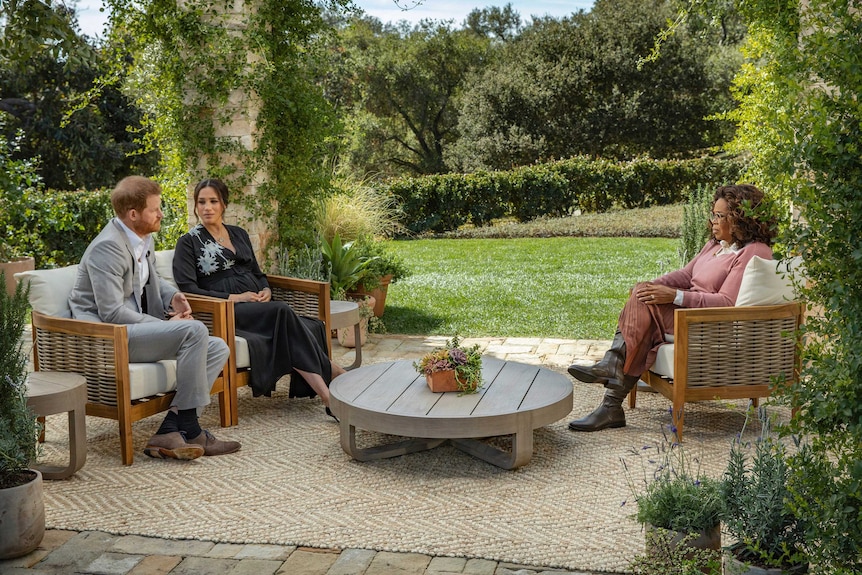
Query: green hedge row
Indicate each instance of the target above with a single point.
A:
(445, 202)
(54, 227)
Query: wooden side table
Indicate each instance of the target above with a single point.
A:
(50, 392)
(344, 314)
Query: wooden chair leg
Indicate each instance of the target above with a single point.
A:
(124, 422)
(41, 421)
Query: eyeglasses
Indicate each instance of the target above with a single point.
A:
(715, 216)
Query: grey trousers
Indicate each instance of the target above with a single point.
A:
(200, 357)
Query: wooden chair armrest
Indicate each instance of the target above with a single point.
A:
(214, 313)
(98, 351)
(689, 316)
(307, 297)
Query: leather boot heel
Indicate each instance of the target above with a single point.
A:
(609, 413)
(603, 417)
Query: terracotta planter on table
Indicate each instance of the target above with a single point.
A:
(442, 381)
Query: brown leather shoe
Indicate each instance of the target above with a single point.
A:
(213, 446)
(172, 446)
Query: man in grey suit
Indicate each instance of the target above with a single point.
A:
(117, 283)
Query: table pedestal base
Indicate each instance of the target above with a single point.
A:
(521, 453)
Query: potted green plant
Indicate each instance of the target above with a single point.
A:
(453, 367)
(347, 266)
(678, 505)
(22, 521)
(770, 537)
(384, 268)
(367, 322)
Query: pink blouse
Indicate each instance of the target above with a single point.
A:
(713, 281)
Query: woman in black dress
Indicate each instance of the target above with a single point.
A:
(217, 260)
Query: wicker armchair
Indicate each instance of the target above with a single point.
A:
(116, 389)
(726, 353)
(308, 298)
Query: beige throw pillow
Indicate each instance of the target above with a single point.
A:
(769, 282)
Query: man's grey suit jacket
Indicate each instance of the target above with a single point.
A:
(107, 284)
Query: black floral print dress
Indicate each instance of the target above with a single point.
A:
(279, 340)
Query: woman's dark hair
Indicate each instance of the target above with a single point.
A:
(219, 186)
(748, 214)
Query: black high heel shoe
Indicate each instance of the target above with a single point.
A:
(332, 415)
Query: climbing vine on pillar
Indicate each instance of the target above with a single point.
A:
(211, 73)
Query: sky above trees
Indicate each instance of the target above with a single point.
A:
(92, 20)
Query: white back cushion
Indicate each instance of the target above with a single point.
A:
(165, 266)
(769, 282)
(50, 289)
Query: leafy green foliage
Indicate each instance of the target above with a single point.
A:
(577, 86)
(53, 227)
(399, 88)
(671, 491)
(201, 67)
(695, 231)
(799, 118)
(84, 131)
(757, 497)
(18, 429)
(445, 202)
(347, 267)
(668, 556)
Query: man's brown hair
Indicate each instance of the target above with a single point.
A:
(131, 193)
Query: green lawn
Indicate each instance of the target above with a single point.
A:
(562, 287)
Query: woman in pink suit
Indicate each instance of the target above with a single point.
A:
(711, 279)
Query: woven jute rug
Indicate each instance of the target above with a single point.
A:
(291, 484)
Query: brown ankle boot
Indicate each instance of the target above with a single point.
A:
(608, 371)
(609, 413)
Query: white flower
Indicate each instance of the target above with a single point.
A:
(207, 263)
(211, 248)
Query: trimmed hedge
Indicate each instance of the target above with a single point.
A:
(55, 227)
(442, 203)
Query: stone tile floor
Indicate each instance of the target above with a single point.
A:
(93, 552)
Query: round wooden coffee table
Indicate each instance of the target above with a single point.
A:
(392, 398)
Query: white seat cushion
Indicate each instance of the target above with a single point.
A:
(50, 289)
(165, 266)
(769, 282)
(243, 360)
(147, 379)
(664, 361)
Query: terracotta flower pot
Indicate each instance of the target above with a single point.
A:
(441, 381)
(16, 266)
(379, 294)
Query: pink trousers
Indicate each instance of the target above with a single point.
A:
(643, 327)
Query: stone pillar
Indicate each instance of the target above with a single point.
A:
(236, 121)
